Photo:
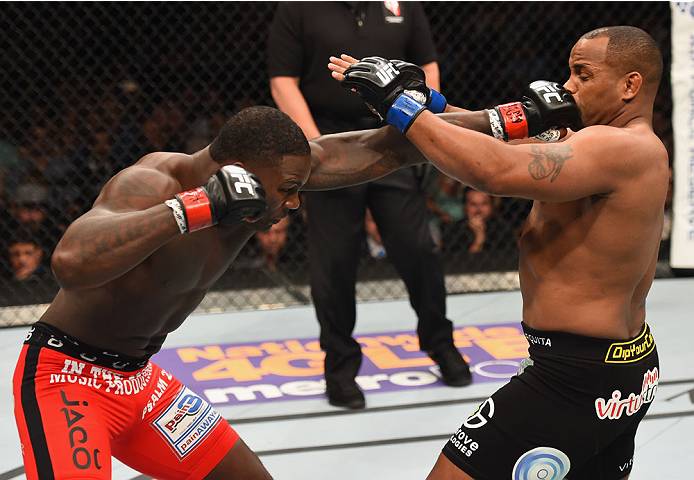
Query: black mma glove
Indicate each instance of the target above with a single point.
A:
(229, 196)
(380, 84)
(545, 105)
(415, 86)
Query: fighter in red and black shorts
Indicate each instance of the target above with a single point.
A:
(76, 406)
(572, 411)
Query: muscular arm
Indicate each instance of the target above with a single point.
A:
(584, 164)
(128, 223)
(351, 158)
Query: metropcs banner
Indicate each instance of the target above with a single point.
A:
(234, 374)
(682, 237)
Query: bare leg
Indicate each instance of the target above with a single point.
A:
(444, 469)
(239, 463)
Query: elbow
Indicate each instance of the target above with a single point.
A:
(485, 179)
(66, 272)
(62, 270)
(494, 181)
(494, 187)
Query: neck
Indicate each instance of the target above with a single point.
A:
(632, 114)
(204, 163)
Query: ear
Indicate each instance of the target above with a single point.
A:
(632, 85)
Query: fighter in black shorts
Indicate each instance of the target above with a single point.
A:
(594, 391)
(588, 254)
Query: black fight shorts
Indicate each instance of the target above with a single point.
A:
(571, 411)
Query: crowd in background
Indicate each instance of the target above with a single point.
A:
(67, 128)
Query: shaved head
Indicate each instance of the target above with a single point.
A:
(630, 49)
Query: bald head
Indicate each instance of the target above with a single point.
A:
(630, 49)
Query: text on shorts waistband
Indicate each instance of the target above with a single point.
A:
(48, 336)
(544, 342)
(632, 350)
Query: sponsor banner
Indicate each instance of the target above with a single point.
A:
(682, 237)
(232, 374)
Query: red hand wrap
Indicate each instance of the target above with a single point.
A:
(514, 120)
(197, 208)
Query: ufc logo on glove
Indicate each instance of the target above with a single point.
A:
(243, 180)
(387, 73)
(549, 90)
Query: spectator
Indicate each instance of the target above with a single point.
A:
(38, 156)
(478, 211)
(484, 238)
(26, 257)
(302, 38)
(93, 169)
(8, 159)
(445, 201)
(28, 210)
(165, 129)
(206, 119)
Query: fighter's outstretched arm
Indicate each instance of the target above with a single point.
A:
(591, 161)
(351, 158)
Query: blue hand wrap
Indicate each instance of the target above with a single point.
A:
(437, 104)
(403, 112)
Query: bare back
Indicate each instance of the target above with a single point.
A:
(586, 265)
(133, 312)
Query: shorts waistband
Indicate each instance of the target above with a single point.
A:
(601, 349)
(48, 336)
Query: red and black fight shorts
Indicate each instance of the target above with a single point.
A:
(77, 405)
(571, 411)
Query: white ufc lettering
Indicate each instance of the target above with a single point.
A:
(387, 73)
(243, 181)
(550, 92)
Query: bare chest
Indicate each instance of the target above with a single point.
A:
(194, 262)
(560, 224)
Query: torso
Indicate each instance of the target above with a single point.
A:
(134, 313)
(586, 266)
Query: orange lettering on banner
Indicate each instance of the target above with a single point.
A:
(240, 369)
(273, 348)
(497, 332)
(282, 364)
(384, 358)
(312, 346)
(369, 342)
(462, 337)
(505, 348)
(295, 346)
(243, 352)
(212, 352)
(409, 343)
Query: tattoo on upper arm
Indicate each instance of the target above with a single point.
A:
(106, 240)
(548, 160)
(134, 187)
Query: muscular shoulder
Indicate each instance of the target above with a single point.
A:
(626, 151)
(148, 182)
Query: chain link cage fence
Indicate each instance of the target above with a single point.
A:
(90, 87)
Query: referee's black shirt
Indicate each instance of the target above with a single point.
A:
(304, 35)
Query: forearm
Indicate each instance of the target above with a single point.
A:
(98, 249)
(351, 158)
(289, 99)
(473, 159)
